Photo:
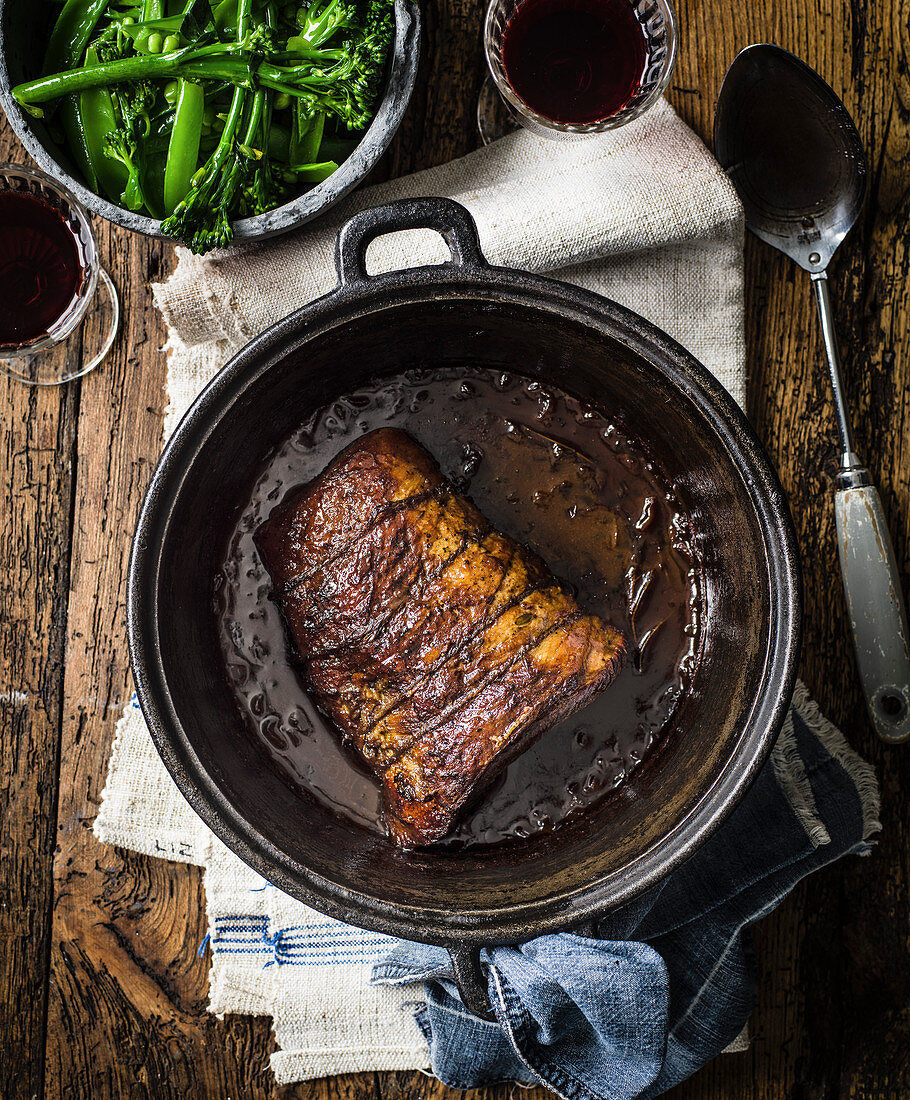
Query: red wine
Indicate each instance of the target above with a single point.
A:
(575, 61)
(41, 267)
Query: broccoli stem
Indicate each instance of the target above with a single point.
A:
(213, 62)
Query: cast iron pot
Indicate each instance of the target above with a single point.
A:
(465, 312)
(23, 38)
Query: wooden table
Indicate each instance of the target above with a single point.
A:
(103, 993)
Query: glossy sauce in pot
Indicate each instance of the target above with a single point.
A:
(558, 475)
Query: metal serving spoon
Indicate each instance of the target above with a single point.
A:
(795, 158)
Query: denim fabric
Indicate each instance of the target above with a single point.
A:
(637, 1002)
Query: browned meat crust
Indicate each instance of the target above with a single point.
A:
(440, 648)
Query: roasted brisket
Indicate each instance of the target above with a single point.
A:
(440, 648)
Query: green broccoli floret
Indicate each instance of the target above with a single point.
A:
(372, 53)
(343, 48)
(134, 102)
(203, 218)
(320, 20)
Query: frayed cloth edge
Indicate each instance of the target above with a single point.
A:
(861, 773)
(792, 779)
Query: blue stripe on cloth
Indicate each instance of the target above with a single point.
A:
(327, 943)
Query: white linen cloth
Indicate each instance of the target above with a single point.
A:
(642, 214)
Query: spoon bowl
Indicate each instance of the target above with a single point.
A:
(792, 152)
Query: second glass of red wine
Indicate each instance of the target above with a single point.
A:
(576, 66)
(59, 311)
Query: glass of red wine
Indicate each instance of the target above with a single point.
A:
(574, 66)
(59, 311)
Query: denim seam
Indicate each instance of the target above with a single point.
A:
(464, 1014)
(511, 1003)
(395, 972)
(557, 1078)
(422, 1018)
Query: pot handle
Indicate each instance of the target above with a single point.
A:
(471, 980)
(449, 219)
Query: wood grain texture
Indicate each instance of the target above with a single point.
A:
(127, 992)
(36, 480)
(102, 991)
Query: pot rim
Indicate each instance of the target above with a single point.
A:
(452, 281)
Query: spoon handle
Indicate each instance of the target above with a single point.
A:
(875, 604)
(871, 578)
(826, 316)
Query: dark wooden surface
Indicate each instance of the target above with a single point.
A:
(102, 992)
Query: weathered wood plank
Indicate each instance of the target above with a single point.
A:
(36, 472)
(127, 992)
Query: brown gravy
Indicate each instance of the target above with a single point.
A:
(555, 474)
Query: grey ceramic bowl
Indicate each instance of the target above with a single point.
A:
(23, 37)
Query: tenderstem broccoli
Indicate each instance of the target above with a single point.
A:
(207, 114)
